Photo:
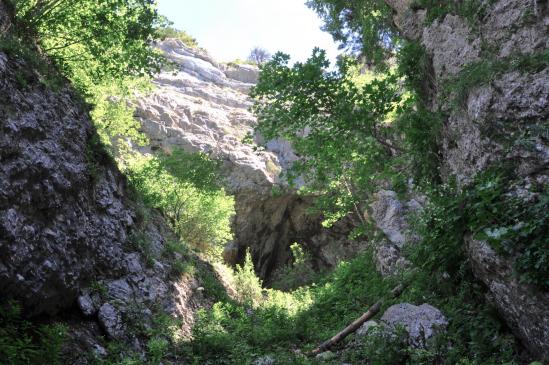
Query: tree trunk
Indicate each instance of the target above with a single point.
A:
(372, 311)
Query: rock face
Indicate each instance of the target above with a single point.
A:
(203, 107)
(390, 216)
(525, 308)
(511, 104)
(55, 236)
(67, 230)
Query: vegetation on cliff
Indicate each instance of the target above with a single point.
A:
(376, 128)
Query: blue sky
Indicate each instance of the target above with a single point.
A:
(229, 29)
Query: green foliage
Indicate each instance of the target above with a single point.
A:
(471, 10)
(369, 127)
(18, 47)
(212, 283)
(475, 334)
(107, 39)
(112, 113)
(247, 284)
(488, 69)
(486, 209)
(185, 188)
(297, 274)
(167, 30)
(414, 65)
(160, 336)
(102, 48)
(157, 349)
(380, 347)
(23, 343)
(233, 333)
(239, 61)
(364, 27)
(142, 242)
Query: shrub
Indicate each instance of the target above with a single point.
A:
(185, 188)
(299, 273)
(23, 343)
(171, 32)
(247, 284)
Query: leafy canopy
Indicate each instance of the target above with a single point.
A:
(363, 27)
(339, 127)
(106, 39)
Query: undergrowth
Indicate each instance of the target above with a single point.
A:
(286, 325)
(25, 343)
(471, 10)
(487, 209)
(487, 70)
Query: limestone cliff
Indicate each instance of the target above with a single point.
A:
(69, 236)
(203, 106)
(510, 103)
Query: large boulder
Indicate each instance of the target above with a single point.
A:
(420, 322)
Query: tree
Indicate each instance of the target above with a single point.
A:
(363, 27)
(259, 55)
(92, 39)
(348, 144)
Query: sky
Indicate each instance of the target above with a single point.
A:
(229, 29)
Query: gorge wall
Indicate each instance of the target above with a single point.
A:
(69, 235)
(495, 122)
(202, 106)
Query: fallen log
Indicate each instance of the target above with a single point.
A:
(372, 311)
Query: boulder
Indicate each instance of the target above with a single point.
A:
(244, 73)
(420, 322)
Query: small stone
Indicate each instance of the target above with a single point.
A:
(111, 321)
(99, 350)
(265, 360)
(120, 289)
(325, 356)
(86, 306)
(133, 264)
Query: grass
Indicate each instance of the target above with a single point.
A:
(285, 325)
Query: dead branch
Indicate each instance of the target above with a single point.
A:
(372, 311)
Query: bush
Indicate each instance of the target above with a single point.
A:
(23, 343)
(185, 188)
(247, 284)
(171, 32)
(299, 273)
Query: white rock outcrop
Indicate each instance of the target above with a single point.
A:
(202, 106)
(199, 108)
